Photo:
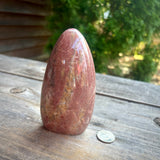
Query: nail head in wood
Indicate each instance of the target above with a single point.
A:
(18, 90)
(157, 121)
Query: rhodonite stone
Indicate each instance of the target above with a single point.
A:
(68, 90)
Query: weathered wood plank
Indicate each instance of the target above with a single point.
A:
(42, 2)
(14, 6)
(20, 121)
(29, 68)
(29, 93)
(22, 32)
(127, 113)
(23, 19)
(15, 44)
(10, 19)
(118, 111)
(127, 89)
(121, 88)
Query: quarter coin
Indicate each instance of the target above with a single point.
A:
(105, 136)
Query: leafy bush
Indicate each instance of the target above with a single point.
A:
(144, 70)
(125, 24)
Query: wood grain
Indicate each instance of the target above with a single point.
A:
(29, 68)
(23, 27)
(27, 52)
(14, 6)
(129, 90)
(10, 19)
(121, 88)
(21, 43)
(22, 32)
(42, 2)
(23, 137)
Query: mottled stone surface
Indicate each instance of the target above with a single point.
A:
(68, 90)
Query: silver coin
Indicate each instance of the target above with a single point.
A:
(105, 136)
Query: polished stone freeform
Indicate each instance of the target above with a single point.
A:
(68, 90)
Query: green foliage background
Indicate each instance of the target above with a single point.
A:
(129, 22)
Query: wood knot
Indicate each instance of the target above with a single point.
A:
(157, 121)
(17, 90)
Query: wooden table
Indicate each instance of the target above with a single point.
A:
(125, 107)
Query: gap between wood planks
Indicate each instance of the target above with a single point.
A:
(97, 92)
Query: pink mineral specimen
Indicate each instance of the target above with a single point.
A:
(68, 90)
